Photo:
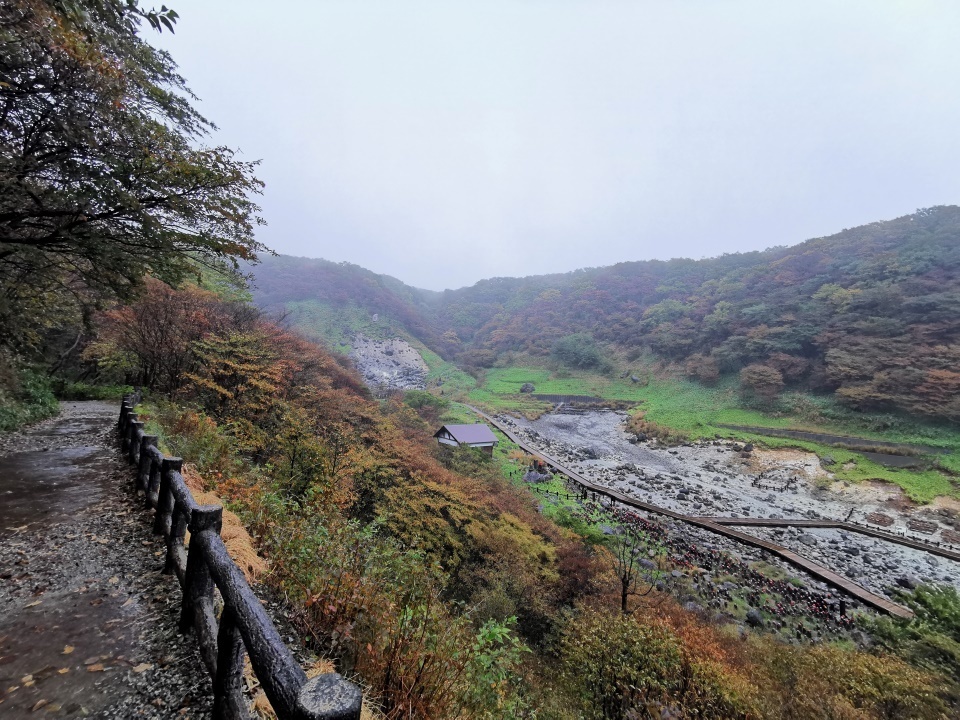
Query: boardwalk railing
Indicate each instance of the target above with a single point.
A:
(205, 568)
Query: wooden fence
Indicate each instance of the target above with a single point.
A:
(211, 581)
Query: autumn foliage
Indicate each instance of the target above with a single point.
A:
(429, 577)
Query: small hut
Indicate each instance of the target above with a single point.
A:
(477, 435)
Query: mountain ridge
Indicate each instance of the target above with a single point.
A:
(871, 313)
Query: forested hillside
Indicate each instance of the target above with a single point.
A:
(298, 286)
(871, 313)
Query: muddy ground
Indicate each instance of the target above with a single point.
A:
(718, 479)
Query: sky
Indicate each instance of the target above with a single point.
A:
(450, 141)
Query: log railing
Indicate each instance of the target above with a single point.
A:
(213, 584)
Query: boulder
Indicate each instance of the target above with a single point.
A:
(754, 618)
(527, 388)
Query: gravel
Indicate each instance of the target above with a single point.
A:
(89, 624)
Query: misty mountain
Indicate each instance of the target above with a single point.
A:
(871, 313)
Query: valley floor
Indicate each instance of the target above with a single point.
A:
(715, 479)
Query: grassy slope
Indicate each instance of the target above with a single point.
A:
(335, 327)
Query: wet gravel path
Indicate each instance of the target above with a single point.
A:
(87, 622)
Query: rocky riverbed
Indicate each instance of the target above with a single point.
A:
(720, 478)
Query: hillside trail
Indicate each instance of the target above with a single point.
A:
(88, 624)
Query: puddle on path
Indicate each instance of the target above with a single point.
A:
(69, 653)
(47, 486)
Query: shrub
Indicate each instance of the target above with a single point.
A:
(617, 667)
(26, 396)
(761, 383)
(578, 351)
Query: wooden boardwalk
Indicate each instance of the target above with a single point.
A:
(931, 548)
(720, 527)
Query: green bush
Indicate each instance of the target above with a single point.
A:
(84, 391)
(26, 397)
(931, 639)
(578, 351)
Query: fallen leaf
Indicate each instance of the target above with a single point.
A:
(141, 667)
(96, 667)
(114, 580)
(91, 660)
(128, 603)
(63, 671)
(35, 602)
(67, 649)
(26, 678)
(39, 704)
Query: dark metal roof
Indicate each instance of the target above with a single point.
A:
(476, 433)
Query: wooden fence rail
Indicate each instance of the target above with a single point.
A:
(212, 582)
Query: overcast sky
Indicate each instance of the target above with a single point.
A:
(445, 142)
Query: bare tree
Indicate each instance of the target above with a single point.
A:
(638, 565)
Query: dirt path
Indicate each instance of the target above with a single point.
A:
(87, 622)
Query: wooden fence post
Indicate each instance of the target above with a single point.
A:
(144, 465)
(197, 610)
(228, 702)
(132, 440)
(163, 520)
(329, 697)
(125, 436)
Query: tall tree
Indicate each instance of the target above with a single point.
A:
(104, 177)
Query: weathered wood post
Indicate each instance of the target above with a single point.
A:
(329, 697)
(125, 429)
(197, 611)
(122, 421)
(133, 424)
(163, 520)
(144, 465)
(152, 488)
(228, 701)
